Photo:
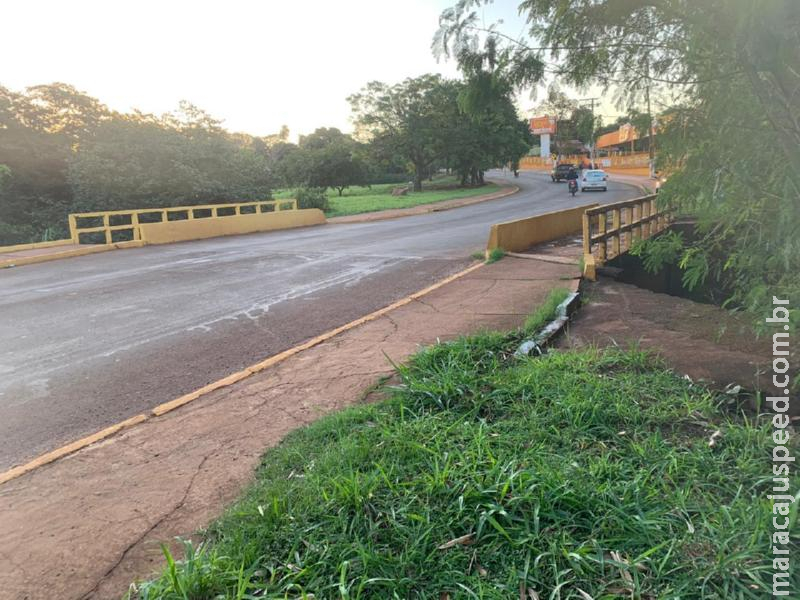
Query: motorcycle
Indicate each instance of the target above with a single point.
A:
(573, 186)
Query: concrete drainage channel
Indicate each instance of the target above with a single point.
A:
(538, 344)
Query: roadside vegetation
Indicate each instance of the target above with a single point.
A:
(573, 475)
(495, 254)
(715, 83)
(356, 200)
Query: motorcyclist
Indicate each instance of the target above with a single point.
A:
(572, 178)
(572, 174)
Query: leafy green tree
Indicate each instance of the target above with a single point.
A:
(432, 122)
(405, 120)
(491, 132)
(331, 160)
(585, 124)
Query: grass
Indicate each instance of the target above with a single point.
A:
(546, 312)
(574, 475)
(495, 254)
(379, 197)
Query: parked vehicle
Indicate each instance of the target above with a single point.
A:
(560, 171)
(573, 186)
(594, 179)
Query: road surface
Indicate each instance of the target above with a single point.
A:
(86, 342)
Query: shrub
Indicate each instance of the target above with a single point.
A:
(312, 197)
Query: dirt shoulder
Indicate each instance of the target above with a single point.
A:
(421, 209)
(703, 341)
(87, 525)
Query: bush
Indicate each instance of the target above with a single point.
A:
(312, 197)
(16, 234)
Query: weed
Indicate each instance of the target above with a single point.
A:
(495, 254)
(546, 312)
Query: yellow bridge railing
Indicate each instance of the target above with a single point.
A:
(612, 229)
(112, 221)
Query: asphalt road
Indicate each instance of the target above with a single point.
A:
(88, 341)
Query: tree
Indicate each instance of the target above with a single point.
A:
(433, 122)
(734, 67)
(585, 123)
(492, 132)
(404, 119)
(326, 158)
(139, 161)
(40, 129)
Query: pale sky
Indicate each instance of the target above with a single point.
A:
(254, 64)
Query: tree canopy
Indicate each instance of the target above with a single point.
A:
(326, 158)
(63, 151)
(432, 122)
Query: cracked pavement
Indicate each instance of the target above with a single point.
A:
(88, 525)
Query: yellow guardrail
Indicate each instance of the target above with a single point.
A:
(132, 219)
(611, 230)
(521, 234)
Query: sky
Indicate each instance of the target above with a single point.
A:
(256, 65)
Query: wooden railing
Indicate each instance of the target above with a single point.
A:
(130, 220)
(612, 229)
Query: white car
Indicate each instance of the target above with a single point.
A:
(593, 179)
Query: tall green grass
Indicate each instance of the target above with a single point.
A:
(574, 475)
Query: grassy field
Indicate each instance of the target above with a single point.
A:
(379, 197)
(585, 475)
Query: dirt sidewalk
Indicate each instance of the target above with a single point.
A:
(87, 525)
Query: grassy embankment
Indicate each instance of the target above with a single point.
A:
(357, 200)
(575, 475)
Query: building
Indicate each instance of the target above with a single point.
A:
(622, 140)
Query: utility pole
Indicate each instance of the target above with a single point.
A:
(650, 141)
(591, 141)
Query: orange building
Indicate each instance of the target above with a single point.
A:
(622, 139)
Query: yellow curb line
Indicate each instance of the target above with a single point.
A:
(69, 448)
(166, 407)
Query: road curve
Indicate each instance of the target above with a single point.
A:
(89, 341)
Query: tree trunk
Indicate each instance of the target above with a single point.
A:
(418, 176)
